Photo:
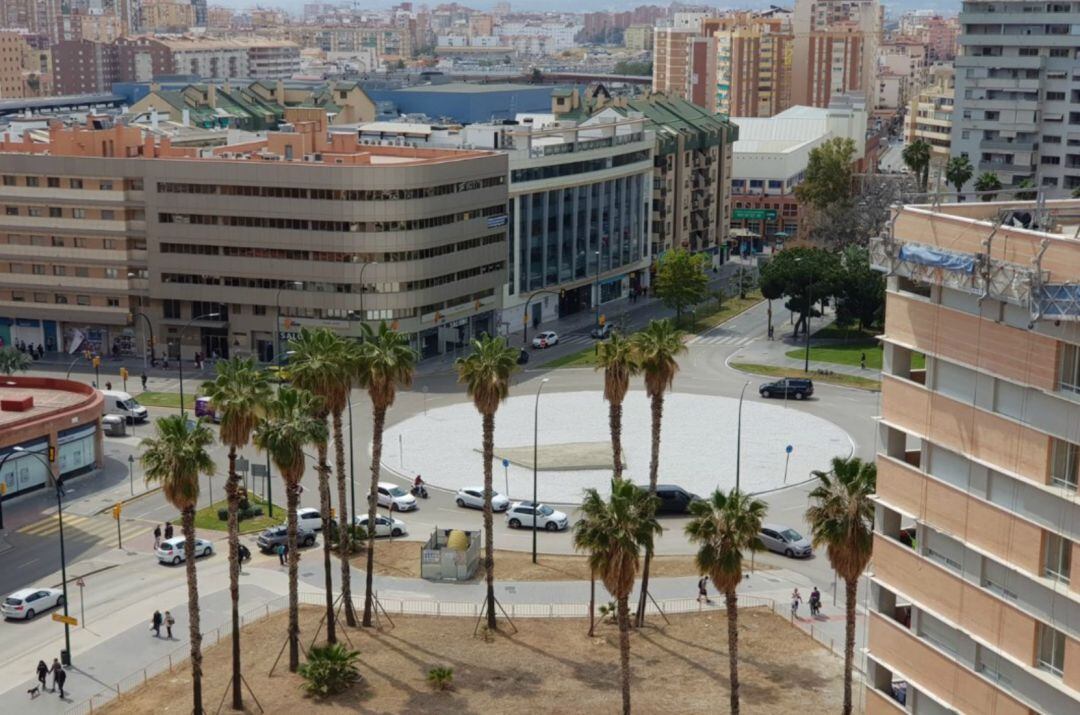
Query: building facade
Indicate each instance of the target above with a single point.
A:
(1016, 95)
(836, 46)
(684, 65)
(754, 62)
(974, 594)
(930, 114)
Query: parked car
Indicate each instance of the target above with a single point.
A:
(395, 497)
(309, 517)
(673, 499)
(785, 540)
(384, 525)
(795, 387)
(473, 498)
(601, 332)
(546, 339)
(270, 538)
(536, 516)
(171, 551)
(28, 602)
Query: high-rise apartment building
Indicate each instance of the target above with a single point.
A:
(754, 62)
(684, 65)
(930, 115)
(835, 47)
(12, 51)
(1017, 96)
(199, 6)
(974, 591)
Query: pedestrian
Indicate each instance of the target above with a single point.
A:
(155, 624)
(59, 678)
(143, 378)
(862, 361)
(42, 674)
(169, 623)
(703, 589)
(108, 385)
(157, 536)
(281, 554)
(40, 351)
(56, 669)
(796, 599)
(168, 531)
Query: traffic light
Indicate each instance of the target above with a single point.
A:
(123, 373)
(96, 362)
(603, 319)
(116, 510)
(52, 453)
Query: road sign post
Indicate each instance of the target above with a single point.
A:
(116, 515)
(787, 459)
(69, 620)
(82, 601)
(506, 476)
(131, 473)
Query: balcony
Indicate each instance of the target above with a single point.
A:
(1005, 145)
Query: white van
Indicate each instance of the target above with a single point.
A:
(123, 404)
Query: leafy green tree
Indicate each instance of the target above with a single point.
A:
(681, 280)
(916, 156)
(988, 181)
(841, 517)
(828, 177)
(632, 67)
(958, 172)
(860, 291)
(13, 360)
(723, 526)
(804, 276)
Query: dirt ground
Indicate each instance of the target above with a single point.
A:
(402, 558)
(548, 666)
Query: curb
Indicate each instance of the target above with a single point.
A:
(727, 364)
(88, 573)
(741, 312)
(130, 500)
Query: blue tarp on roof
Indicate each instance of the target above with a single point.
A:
(927, 256)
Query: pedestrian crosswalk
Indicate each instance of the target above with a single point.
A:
(724, 338)
(95, 528)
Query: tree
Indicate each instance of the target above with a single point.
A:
(828, 174)
(486, 373)
(536, 76)
(958, 172)
(239, 394)
(291, 425)
(860, 290)
(841, 517)
(385, 363)
(613, 533)
(987, 182)
(723, 526)
(13, 360)
(855, 221)
(1026, 195)
(175, 459)
(632, 67)
(615, 356)
(681, 280)
(804, 276)
(1076, 193)
(657, 348)
(315, 365)
(916, 156)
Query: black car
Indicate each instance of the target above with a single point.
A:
(794, 387)
(674, 499)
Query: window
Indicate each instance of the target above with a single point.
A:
(1069, 375)
(112, 302)
(18, 297)
(1063, 465)
(9, 180)
(75, 183)
(107, 214)
(1050, 160)
(56, 212)
(82, 299)
(105, 185)
(1055, 96)
(41, 297)
(78, 242)
(1029, 51)
(32, 181)
(1057, 553)
(59, 271)
(1051, 139)
(171, 309)
(112, 273)
(11, 210)
(258, 310)
(78, 213)
(1051, 656)
(82, 272)
(58, 241)
(108, 244)
(1059, 51)
(60, 299)
(53, 182)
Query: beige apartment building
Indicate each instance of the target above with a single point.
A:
(975, 581)
(754, 60)
(104, 231)
(929, 116)
(836, 46)
(684, 65)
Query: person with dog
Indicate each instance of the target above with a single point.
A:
(42, 676)
(59, 676)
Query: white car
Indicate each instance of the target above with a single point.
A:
(546, 339)
(395, 497)
(171, 551)
(384, 525)
(538, 516)
(309, 517)
(473, 498)
(29, 602)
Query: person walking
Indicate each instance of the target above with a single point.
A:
(796, 599)
(157, 537)
(169, 623)
(281, 554)
(168, 531)
(862, 361)
(56, 670)
(703, 589)
(155, 624)
(59, 678)
(143, 378)
(42, 674)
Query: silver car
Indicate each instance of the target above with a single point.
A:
(270, 538)
(785, 540)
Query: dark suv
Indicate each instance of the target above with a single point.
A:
(673, 499)
(796, 387)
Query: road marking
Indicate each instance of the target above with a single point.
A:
(31, 561)
(83, 528)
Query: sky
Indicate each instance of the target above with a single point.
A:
(893, 6)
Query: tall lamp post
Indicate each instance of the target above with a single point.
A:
(150, 329)
(596, 316)
(180, 360)
(738, 437)
(536, 450)
(806, 327)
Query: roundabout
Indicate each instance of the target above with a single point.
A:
(697, 447)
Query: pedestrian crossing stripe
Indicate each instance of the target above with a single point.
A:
(76, 527)
(707, 339)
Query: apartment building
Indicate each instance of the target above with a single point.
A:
(975, 581)
(233, 57)
(836, 45)
(12, 52)
(85, 67)
(754, 62)
(166, 15)
(101, 224)
(638, 38)
(930, 114)
(684, 65)
(1016, 93)
(389, 43)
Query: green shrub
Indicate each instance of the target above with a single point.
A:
(256, 511)
(441, 678)
(223, 514)
(244, 504)
(330, 669)
(245, 513)
(358, 534)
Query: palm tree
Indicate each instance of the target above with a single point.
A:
(724, 526)
(13, 361)
(176, 458)
(615, 357)
(656, 348)
(916, 156)
(958, 172)
(841, 517)
(385, 362)
(348, 358)
(486, 373)
(1026, 195)
(613, 532)
(315, 366)
(239, 395)
(290, 425)
(988, 182)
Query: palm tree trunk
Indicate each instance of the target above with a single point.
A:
(324, 508)
(851, 587)
(731, 602)
(232, 492)
(378, 420)
(194, 635)
(615, 423)
(489, 527)
(344, 523)
(293, 500)
(654, 469)
(592, 601)
(624, 650)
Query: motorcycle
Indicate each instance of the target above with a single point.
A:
(419, 490)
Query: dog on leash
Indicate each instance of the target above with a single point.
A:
(34, 691)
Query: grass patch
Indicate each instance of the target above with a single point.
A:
(585, 357)
(207, 517)
(863, 383)
(832, 331)
(707, 315)
(165, 399)
(852, 353)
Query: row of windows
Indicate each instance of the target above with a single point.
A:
(329, 256)
(293, 192)
(40, 269)
(57, 212)
(576, 167)
(302, 224)
(454, 302)
(53, 182)
(107, 244)
(62, 299)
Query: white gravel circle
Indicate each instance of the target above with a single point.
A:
(697, 444)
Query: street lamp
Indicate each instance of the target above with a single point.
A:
(536, 449)
(180, 361)
(596, 317)
(131, 472)
(738, 437)
(65, 655)
(809, 310)
(150, 329)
